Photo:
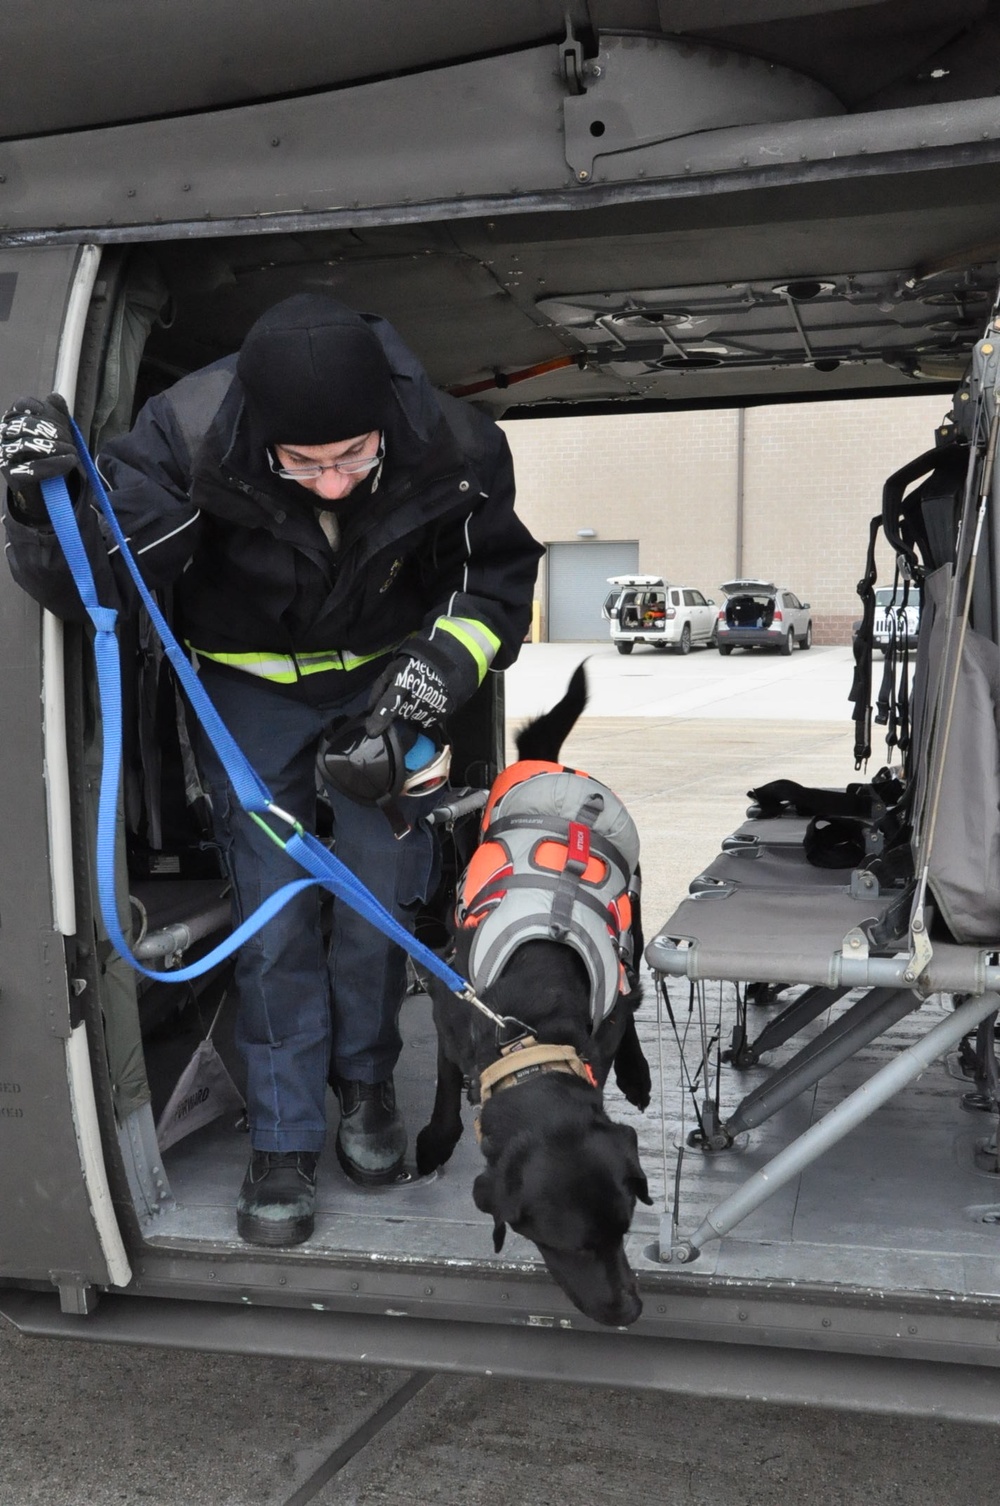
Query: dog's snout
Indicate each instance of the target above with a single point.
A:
(620, 1313)
(603, 1286)
(625, 1307)
(629, 1310)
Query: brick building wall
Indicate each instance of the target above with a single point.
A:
(812, 478)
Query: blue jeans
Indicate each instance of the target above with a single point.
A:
(303, 1009)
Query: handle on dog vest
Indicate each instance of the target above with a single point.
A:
(577, 856)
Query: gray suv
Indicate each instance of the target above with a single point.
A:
(759, 614)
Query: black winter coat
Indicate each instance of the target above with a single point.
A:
(250, 566)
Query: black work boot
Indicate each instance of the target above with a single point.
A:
(371, 1140)
(277, 1201)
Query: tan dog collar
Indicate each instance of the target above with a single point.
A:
(526, 1058)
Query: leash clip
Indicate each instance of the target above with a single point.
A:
(512, 1033)
(275, 810)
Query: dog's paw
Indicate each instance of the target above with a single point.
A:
(636, 1085)
(433, 1149)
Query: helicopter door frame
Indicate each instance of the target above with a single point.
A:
(78, 1069)
(52, 1164)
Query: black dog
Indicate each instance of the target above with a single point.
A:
(558, 1170)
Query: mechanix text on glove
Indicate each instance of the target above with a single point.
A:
(415, 691)
(36, 442)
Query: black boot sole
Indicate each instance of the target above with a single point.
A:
(274, 1235)
(369, 1178)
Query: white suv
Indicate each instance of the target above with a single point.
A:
(648, 609)
(890, 614)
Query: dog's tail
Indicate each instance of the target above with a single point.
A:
(544, 737)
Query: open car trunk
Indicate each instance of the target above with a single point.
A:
(750, 611)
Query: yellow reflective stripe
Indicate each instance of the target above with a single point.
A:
(474, 636)
(276, 667)
(285, 669)
(310, 664)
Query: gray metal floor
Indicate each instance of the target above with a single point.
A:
(431, 1217)
(900, 1204)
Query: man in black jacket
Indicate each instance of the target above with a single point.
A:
(342, 546)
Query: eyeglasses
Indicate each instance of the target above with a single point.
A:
(359, 467)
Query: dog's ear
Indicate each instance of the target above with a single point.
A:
(483, 1195)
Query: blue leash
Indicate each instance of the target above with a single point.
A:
(253, 795)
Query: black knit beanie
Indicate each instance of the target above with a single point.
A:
(314, 372)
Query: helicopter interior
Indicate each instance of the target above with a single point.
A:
(880, 286)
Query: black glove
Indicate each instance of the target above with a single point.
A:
(423, 685)
(36, 444)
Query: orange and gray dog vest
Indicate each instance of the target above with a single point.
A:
(556, 860)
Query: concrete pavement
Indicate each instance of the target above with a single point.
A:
(745, 686)
(82, 1425)
(682, 740)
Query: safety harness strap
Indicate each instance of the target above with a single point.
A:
(577, 858)
(535, 882)
(549, 826)
(861, 688)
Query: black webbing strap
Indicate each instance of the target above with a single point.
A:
(892, 706)
(781, 795)
(535, 881)
(861, 686)
(885, 701)
(834, 842)
(568, 886)
(901, 516)
(903, 685)
(554, 828)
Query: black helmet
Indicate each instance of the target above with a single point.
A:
(378, 770)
